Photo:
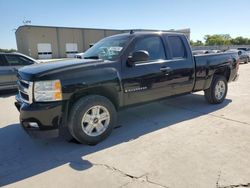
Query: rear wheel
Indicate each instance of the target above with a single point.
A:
(92, 119)
(247, 60)
(217, 91)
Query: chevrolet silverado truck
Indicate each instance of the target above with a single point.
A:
(82, 96)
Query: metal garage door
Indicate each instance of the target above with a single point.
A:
(71, 49)
(44, 51)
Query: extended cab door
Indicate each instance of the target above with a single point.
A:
(181, 64)
(148, 80)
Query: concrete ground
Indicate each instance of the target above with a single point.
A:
(181, 142)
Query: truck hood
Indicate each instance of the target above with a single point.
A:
(38, 70)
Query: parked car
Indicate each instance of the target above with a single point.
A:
(79, 55)
(214, 51)
(244, 56)
(197, 52)
(245, 49)
(84, 95)
(9, 65)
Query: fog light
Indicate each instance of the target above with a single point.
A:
(33, 124)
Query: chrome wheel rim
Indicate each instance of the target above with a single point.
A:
(95, 120)
(220, 90)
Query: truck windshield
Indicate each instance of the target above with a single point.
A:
(107, 49)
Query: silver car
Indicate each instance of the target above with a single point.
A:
(9, 64)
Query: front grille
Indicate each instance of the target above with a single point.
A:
(24, 96)
(24, 83)
(25, 90)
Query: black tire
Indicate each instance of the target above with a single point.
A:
(66, 135)
(247, 60)
(80, 108)
(210, 92)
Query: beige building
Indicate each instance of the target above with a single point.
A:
(45, 42)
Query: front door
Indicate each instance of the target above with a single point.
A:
(15, 62)
(146, 81)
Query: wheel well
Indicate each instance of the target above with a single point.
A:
(105, 92)
(225, 71)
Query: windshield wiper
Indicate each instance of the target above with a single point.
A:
(92, 57)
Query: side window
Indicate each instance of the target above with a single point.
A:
(25, 61)
(16, 60)
(2, 60)
(177, 47)
(153, 45)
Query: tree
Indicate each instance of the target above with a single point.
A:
(222, 39)
(197, 43)
(7, 50)
(240, 41)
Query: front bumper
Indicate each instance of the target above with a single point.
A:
(40, 120)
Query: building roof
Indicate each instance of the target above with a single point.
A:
(187, 30)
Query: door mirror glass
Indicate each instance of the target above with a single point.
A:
(138, 56)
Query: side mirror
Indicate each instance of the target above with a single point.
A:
(138, 56)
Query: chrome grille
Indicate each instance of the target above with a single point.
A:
(25, 90)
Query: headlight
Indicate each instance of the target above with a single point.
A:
(45, 91)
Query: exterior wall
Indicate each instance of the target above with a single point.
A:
(66, 35)
(22, 41)
(92, 36)
(28, 36)
(35, 35)
(111, 32)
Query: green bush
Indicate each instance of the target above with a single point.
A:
(7, 50)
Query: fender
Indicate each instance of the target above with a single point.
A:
(102, 81)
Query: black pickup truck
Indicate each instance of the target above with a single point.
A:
(84, 95)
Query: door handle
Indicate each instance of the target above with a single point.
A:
(165, 69)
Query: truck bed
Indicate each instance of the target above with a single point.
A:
(207, 64)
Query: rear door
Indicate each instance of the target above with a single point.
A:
(6, 73)
(181, 64)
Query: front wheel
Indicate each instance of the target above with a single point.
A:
(92, 119)
(217, 91)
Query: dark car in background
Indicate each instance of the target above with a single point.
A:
(197, 52)
(243, 55)
(9, 65)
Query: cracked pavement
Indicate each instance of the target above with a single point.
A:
(180, 142)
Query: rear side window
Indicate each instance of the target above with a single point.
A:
(2, 60)
(177, 47)
(16, 60)
(153, 45)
